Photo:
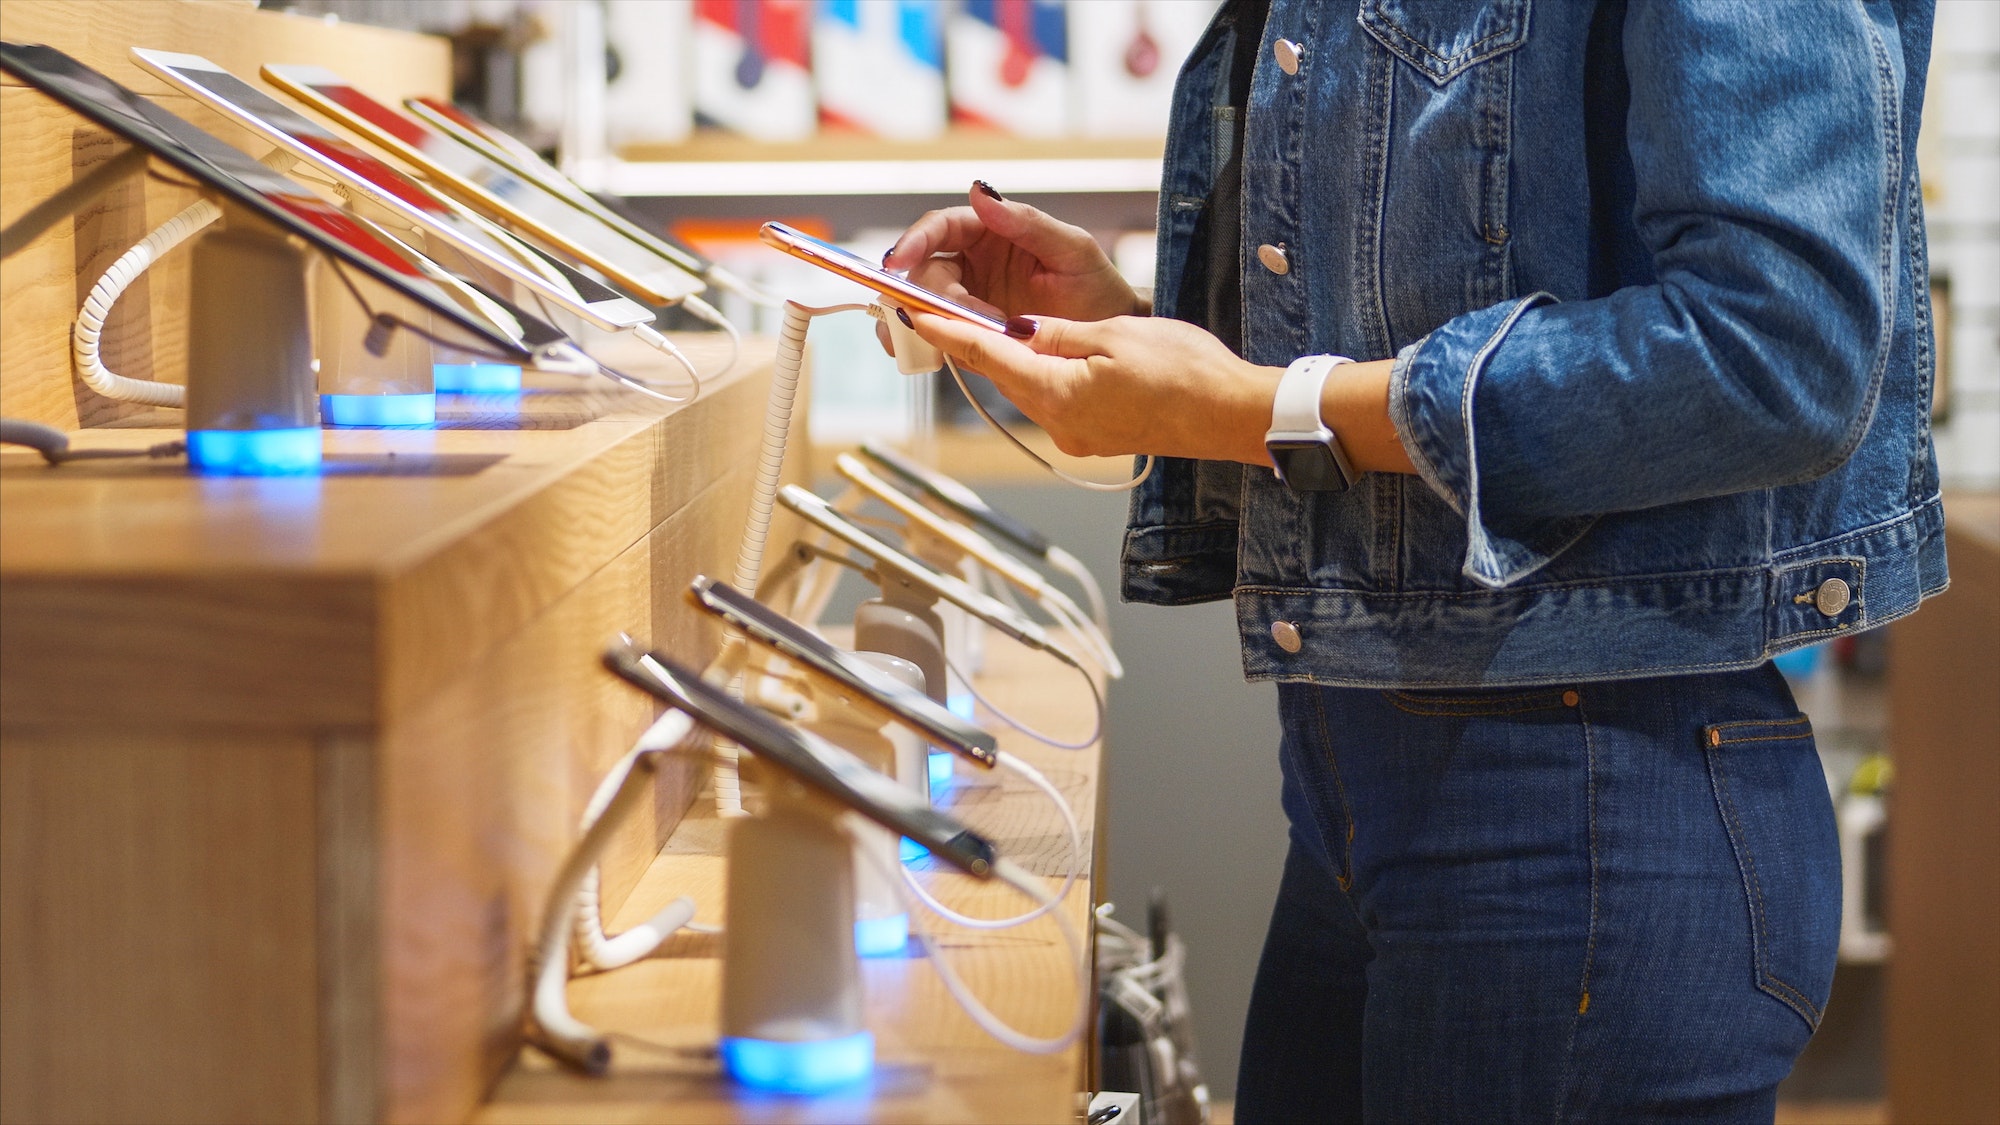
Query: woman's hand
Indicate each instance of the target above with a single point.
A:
(1009, 258)
(1161, 386)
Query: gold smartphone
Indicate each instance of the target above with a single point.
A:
(859, 270)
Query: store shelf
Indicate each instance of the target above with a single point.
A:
(839, 164)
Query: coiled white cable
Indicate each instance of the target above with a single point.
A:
(1036, 778)
(88, 332)
(763, 498)
(598, 951)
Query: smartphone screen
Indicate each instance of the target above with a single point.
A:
(496, 144)
(237, 177)
(811, 760)
(957, 497)
(797, 643)
(487, 185)
(965, 539)
(857, 269)
(334, 157)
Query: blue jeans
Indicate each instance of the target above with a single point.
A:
(1614, 902)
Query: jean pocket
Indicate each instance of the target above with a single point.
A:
(1315, 777)
(1772, 795)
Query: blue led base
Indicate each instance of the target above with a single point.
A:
(378, 410)
(937, 767)
(810, 1066)
(477, 378)
(254, 453)
(909, 851)
(882, 937)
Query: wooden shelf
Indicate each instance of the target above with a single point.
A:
(716, 164)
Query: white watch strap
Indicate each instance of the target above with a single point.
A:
(1295, 410)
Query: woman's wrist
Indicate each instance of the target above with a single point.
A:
(1354, 404)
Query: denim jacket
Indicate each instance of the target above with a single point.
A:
(1655, 281)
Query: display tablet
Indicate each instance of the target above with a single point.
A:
(801, 645)
(487, 185)
(242, 180)
(495, 143)
(901, 567)
(860, 270)
(810, 759)
(922, 480)
(383, 185)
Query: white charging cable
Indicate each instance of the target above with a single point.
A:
(708, 313)
(1028, 884)
(1094, 486)
(598, 951)
(1037, 779)
(550, 1023)
(1063, 562)
(88, 332)
(1096, 698)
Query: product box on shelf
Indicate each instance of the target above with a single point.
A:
(1008, 65)
(1124, 56)
(650, 96)
(752, 67)
(879, 66)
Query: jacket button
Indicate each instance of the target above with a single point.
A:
(1832, 597)
(1289, 54)
(1274, 258)
(1287, 636)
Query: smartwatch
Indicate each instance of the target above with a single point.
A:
(1304, 452)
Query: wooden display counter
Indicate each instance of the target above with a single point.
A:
(933, 1063)
(287, 764)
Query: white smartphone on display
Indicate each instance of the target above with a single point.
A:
(396, 193)
(903, 568)
(495, 143)
(861, 271)
(488, 186)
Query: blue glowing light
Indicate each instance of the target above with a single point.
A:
(378, 410)
(477, 378)
(881, 937)
(961, 705)
(909, 851)
(810, 1066)
(938, 768)
(254, 453)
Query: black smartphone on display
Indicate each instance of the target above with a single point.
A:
(924, 481)
(389, 189)
(811, 760)
(242, 180)
(796, 643)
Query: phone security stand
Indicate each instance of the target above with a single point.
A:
(791, 980)
(251, 408)
(881, 921)
(369, 374)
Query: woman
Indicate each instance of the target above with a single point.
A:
(1635, 297)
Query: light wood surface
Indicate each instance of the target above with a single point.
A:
(933, 1063)
(1943, 1042)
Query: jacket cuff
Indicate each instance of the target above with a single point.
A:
(1432, 388)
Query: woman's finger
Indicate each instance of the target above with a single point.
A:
(938, 232)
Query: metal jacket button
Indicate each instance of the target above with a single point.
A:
(1287, 636)
(1832, 597)
(1289, 54)
(1274, 258)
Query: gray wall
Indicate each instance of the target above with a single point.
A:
(1192, 766)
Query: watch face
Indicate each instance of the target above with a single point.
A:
(1306, 466)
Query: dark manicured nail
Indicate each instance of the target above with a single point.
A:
(1021, 327)
(995, 196)
(905, 318)
(886, 255)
